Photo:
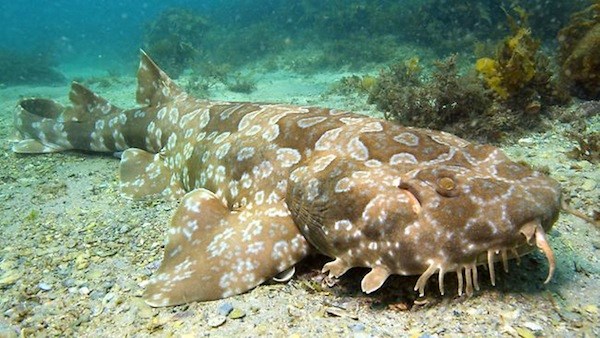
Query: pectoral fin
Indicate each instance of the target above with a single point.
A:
(374, 279)
(144, 174)
(214, 253)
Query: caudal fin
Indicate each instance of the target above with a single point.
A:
(45, 126)
(40, 127)
(92, 123)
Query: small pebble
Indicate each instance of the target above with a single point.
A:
(45, 286)
(357, 327)
(69, 282)
(9, 277)
(526, 141)
(8, 332)
(533, 326)
(236, 314)
(584, 164)
(524, 332)
(143, 310)
(588, 185)
(216, 321)
(84, 291)
(593, 309)
(225, 308)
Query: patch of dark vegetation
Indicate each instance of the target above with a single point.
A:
(579, 52)
(587, 139)
(507, 93)
(18, 68)
(244, 84)
(175, 39)
(348, 85)
(442, 100)
(588, 145)
(207, 75)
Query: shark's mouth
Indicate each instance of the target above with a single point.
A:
(532, 231)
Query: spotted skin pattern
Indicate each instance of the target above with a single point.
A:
(261, 185)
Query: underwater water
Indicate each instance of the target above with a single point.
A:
(108, 33)
(76, 256)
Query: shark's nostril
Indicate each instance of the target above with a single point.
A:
(535, 230)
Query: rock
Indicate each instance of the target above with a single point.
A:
(533, 326)
(143, 310)
(225, 308)
(357, 327)
(81, 261)
(69, 282)
(591, 308)
(9, 277)
(588, 185)
(216, 321)
(44, 286)
(524, 332)
(7, 332)
(236, 314)
(526, 141)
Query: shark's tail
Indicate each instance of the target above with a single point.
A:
(45, 126)
(91, 122)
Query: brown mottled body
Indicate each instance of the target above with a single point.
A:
(262, 182)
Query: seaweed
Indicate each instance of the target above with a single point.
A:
(17, 68)
(579, 47)
(241, 84)
(207, 75)
(588, 145)
(444, 100)
(353, 84)
(462, 104)
(519, 74)
(175, 39)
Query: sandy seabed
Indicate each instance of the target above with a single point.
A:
(74, 254)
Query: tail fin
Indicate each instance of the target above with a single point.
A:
(40, 127)
(45, 126)
(92, 123)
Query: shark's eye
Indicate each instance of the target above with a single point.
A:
(446, 186)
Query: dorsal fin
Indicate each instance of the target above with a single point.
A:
(87, 104)
(155, 87)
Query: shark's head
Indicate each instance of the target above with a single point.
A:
(470, 206)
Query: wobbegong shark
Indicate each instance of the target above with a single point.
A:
(263, 185)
